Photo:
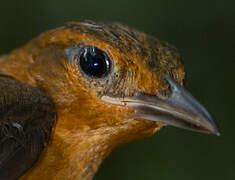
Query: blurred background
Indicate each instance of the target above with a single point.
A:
(204, 33)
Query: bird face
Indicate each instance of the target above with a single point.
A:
(106, 75)
(109, 84)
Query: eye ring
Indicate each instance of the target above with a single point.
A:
(94, 62)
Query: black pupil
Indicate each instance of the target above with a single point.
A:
(94, 62)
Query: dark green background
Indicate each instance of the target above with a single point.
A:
(203, 31)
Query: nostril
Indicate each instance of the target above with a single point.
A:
(164, 93)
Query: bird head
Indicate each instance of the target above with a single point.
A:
(110, 84)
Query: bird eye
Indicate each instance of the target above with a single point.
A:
(94, 62)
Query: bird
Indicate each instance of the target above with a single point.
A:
(74, 93)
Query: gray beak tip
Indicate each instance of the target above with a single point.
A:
(216, 132)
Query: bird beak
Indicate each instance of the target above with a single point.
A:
(174, 106)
